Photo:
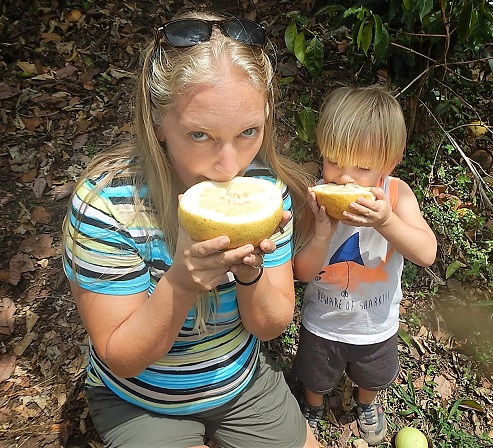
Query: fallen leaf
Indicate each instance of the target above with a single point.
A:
(39, 186)
(7, 320)
(80, 141)
(31, 123)
(19, 264)
(21, 347)
(50, 37)
(38, 245)
(443, 387)
(65, 72)
(7, 366)
(29, 176)
(41, 214)
(31, 319)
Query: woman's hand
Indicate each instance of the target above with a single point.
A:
(201, 266)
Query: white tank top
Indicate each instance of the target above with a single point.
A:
(355, 297)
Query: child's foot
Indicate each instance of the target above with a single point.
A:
(371, 422)
(312, 414)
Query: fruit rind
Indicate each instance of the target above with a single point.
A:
(244, 222)
(409, 437)
(336, 198)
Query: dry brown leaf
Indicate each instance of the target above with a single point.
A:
(41, 214)
(7, 320)
(443, 387)
(21, 347)
(65, 72)
(39, 186)
(19, 263)
(31, 123)
(80, 141)
(27, 67)
(38, 245)
(29, 177)
(7, 366)
(31, 319)
(50, 37)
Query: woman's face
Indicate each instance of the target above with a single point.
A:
(214, 131)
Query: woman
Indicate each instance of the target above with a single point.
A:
(175, 325)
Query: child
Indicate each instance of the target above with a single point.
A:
(353, 267)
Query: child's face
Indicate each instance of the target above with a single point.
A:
(366, 177)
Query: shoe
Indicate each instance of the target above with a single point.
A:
(312, 414)
(371, 422)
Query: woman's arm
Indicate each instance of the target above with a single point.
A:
(130, 332)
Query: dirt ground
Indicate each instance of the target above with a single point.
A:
(66, 78)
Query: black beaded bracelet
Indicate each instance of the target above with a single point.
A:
(255, 280)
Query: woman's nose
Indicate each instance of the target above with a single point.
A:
(226, 162)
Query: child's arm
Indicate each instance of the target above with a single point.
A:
(309, 260)
(404, 227)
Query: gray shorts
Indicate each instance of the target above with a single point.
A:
(319, 363)
(265, 415)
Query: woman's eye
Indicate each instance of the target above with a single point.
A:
(250, 132)
(199, 136)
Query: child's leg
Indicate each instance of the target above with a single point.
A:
(365, 396)
(313, 399)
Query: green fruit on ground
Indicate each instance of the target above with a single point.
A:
(409, 437)
(247, 210)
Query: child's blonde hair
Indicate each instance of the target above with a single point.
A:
(362, 126)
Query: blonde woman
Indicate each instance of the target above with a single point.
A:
(350, 313)
(176, 326)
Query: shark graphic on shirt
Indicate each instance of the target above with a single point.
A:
(347, 270)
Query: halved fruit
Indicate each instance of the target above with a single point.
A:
(336, 198)
(245, 209)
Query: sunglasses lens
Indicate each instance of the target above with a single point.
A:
(244, 31)
(186, 33)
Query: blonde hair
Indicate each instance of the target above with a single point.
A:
(362, 126)
(166, 72)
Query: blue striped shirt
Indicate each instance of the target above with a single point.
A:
(120, 251)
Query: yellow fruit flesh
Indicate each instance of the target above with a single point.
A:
(336, 198)
(246, 210)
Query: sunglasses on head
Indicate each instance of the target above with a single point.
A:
(190, 32)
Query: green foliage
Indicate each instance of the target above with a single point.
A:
(309, 53)
(465, 241)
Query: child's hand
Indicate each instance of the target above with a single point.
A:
(369, 213)
(324, 224)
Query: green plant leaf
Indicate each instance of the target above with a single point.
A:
(466, 22)
(471, 404)
(300, 47)
(404, 335)
(314, 57)
(365, 35)
(452, 267)
(425, 8)
(378, 29)
(290, 36)
(381, 48)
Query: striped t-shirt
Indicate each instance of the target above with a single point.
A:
(120, 253)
